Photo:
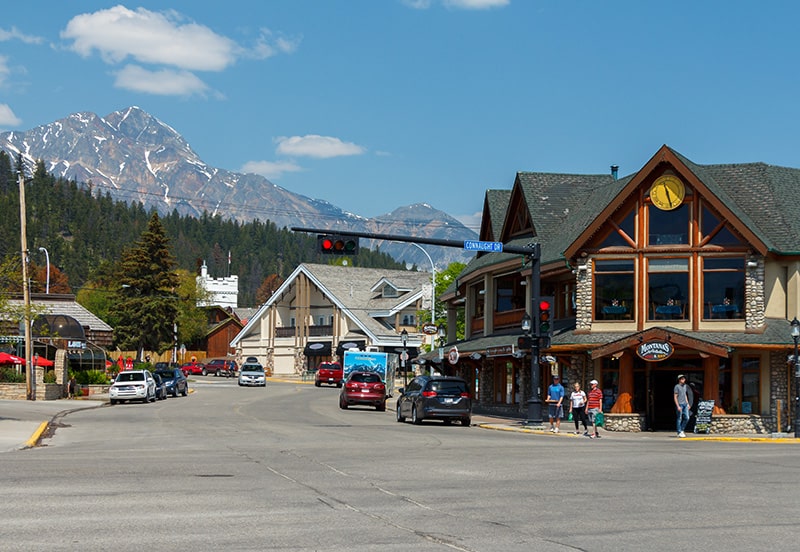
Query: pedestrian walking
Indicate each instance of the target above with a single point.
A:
(71, 387)
(682, 396)
(577, 407)
(555, 396)
(594, 405)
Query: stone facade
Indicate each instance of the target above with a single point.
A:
(583, 296)
(754, 294)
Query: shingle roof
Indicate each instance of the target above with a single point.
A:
(66, 305)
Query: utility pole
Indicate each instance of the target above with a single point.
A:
(26, 293)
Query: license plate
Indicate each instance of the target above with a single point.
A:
(448, 400)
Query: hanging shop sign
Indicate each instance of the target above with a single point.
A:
(654, 351)
(430, 329)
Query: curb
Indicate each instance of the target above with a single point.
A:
(30, 443)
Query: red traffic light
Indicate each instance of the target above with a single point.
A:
(333, 244)
(544, 305)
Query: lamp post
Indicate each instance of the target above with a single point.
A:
(795, 336)
(47, 260)
(404, 339)
(433, 291)
(531, 327)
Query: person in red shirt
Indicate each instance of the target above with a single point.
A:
(594, 404)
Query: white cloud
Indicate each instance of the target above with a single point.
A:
(268, 44)
(313, 145)
(165, 82)
(470, 221)
(418, 4)
(15, 33)
(270, 169)
(7, 117)
(149, 37)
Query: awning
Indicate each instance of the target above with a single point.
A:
(344, 345)
(317, 348)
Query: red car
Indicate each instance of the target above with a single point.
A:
(363, 388)
(194, 369)
(330, 373)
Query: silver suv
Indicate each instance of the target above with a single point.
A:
(437, 397)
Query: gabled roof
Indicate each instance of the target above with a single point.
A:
(495, 205)
(67, 305)
(352, 290)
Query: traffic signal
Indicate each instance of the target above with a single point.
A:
(334, 244)
(545, 322)
(524, 342)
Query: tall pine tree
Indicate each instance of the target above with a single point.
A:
(148, 296)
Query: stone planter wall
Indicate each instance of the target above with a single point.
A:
(14, 391)
(631, 423)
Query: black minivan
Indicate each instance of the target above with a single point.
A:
(443, 398)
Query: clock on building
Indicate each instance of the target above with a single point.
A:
(667, 192)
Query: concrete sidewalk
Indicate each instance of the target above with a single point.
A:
(23, 422)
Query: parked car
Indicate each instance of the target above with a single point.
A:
(165, 366)
(363, 388)
(439, 397)
(161, 387)
(222, 367)
(194, 369)
(252, 374)
(133, 385)
(175, 381)
(330, 373)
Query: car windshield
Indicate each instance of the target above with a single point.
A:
(448, 387)
(366, 378)
(252, 368)
(165, 375)
(130, 376)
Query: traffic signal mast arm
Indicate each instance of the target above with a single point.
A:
(532, 249)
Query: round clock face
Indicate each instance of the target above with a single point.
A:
(667, 192)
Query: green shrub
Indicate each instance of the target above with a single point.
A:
(8, 374)
(91, 377)
(50, 376)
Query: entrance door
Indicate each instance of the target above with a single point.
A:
(663, 377)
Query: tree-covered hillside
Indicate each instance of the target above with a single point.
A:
(84, 231)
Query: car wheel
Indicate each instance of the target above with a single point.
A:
(342, 403)
(185, 391)
(338, 385)
(317, 384)
(466, 421)
(447, 421)
(204, 372)
(400, 417)
(414, 418)
(175, 392)
(216, 373)
(112, 401)
(381, 407)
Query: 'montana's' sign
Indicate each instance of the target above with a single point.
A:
(653, 351)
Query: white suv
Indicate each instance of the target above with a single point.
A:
(252, 374)
(133, 385)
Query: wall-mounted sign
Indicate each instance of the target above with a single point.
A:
(654, 351)
(74, 344)
(504, 350)
(452, 355)
(430, 329)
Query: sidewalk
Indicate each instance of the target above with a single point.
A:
(23, 422)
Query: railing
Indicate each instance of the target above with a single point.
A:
(313, 331)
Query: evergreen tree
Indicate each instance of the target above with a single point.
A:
(147, 305)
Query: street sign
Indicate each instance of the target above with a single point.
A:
(474, 245)
(452, 355)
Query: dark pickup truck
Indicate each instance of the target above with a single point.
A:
(330, 373)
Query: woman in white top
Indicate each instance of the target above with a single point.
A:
(577, 406)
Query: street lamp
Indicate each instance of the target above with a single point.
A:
(404, 339)
(47, 259)
(433, 290)
(795, 336)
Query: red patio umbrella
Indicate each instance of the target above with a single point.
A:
(6, 358)
(41, 361)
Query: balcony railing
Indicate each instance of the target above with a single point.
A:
(313, 331)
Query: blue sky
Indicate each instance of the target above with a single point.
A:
(374, 104)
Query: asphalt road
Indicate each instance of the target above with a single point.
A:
(283, 468)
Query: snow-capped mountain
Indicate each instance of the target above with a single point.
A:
(133, 156)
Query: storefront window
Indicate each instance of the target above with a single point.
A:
(609, 382)
(750, 385)
(668, 284)
(723, 287)
(510, 293)
(669, 227)
(614, 289)
(715, 232)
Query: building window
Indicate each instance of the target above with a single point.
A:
(723, 287)
(389, 291)
(291, 322)
(714, 231)
(624, 234)
(321, 321)
(668, 285)
(724, 395)
(751, 368)
(510, 293)
(669, 227)
(614, 289)
(409, 320)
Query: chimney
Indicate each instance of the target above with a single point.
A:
(614, 171)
